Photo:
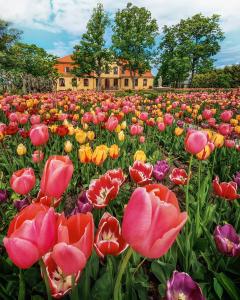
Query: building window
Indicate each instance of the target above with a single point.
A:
(67, 69)
(126, 82)
(115, 70)
(136, 81)
(115, 82)
(144, 82)
(107, 71)
(86, 82)
(61, 82)
(74, 81)
(123, 70)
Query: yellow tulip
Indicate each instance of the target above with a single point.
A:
(21, 150)
(90, 135)
(218, 140)
(140, 155)
(81, 136)
(85, 154)
(100, 155)
(118, 128)
(114, 151)
(68, 146)
(178, 131)
(121, 136)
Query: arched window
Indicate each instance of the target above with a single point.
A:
(61, 82)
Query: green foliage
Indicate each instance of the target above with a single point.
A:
(188, 48)
(90, 54)
(134, 33)
(219, 78)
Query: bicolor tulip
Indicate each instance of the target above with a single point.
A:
(37, 156)
(152, 220)
(179, 176)
(140, 172)
(108, 239)
(100, 154)
(227, 190)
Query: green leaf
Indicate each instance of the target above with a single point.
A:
(217, 288)
(103, 287)
(229, 286)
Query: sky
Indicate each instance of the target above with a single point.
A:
(57, 25)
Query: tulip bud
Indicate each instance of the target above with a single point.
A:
(21, 150)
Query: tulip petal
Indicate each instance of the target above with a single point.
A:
(23, 253)
(69, 258)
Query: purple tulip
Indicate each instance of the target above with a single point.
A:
(82, 205)
(21, 203)
(181, 286)
(3, 196)
(227, 240)
(160, 170)
(237, 179)
(180, 123)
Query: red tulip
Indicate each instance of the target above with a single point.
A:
(31, 235)
(227, 190)
(56, 176)
(112, 123)
(140, 172)
(23, 181)
(179, 176)
(108, 239)
(195, 141)
(103, 190)
(74, 243)
(39, 134)
(152, 220)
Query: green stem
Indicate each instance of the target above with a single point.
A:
(122, 267)
(22, 290)
(45, 277)
(187, 188)
(74, 294)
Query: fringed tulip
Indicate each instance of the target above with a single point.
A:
(179, 176)
(140, 172)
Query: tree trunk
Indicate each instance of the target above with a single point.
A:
(99, 79)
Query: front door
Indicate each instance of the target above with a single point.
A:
(107, 83)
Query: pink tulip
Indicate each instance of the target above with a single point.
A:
(136, 129)
(168, 119)
(161, 126)
(56, 176)
(229, 143)
(152, 220)
(226, 116)
(37, 156)
(112, 123)
(13, 117)
(143, 116)
(225, 129)
(23, 119)
(35, 119)
(207, 114)
(195, 141)
(23, 181)
(39, 134)
(31, 235)
(142, 139)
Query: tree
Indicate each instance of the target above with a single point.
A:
(8, 36)
(91, 55)
(31, 59)
(133, 38)
(196, 39)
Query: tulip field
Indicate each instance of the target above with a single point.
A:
(125, 197)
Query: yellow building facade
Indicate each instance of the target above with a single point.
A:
(117, 78)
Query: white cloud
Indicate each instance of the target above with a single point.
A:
(72, 15)
(61, 49)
